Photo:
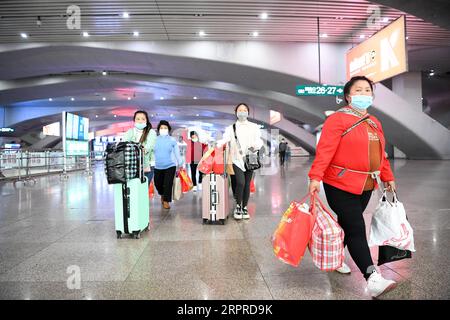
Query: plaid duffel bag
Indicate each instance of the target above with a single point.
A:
(327, 240)
(122, 162)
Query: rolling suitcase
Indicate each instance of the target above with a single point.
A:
(215, 198)
(131, 203)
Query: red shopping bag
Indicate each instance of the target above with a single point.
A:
(186, 182)
(293, 233)
(327, 240)
(151, 190)
(206, 162)
(252, 186)
(218, 161)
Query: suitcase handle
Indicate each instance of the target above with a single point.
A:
(215, 196)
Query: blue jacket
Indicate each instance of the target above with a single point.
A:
(167, 153)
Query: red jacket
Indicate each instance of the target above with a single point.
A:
(199, 149)
(350, 151)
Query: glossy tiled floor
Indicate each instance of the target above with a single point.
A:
(46, 229)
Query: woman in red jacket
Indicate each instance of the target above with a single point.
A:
(350, 159)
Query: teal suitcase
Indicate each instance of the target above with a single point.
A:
(131, 204)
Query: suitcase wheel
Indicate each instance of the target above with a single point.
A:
(222, 221)
(136, 235)
(147, 228)
(205, 221)
(119, 234)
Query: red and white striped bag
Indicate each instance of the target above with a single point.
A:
(327, 240)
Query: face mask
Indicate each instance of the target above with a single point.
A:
(242, 115)
(140, 126)
(361, 102)
(195, 139)
(163, 132)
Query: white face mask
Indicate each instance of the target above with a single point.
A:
(164, 132)
(195, 139)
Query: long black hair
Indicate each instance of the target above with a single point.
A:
(348, 86)
(147, 128)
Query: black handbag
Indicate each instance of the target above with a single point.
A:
(252, 161)
(390, 254)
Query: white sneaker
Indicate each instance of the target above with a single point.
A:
(238, 213)
(245, 214)
(194, 189)
(345, 269)
(378, 285)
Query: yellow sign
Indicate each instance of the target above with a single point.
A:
(382, 56)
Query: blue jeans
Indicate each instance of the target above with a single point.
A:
(150, 174)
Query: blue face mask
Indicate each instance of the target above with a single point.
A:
(140, 126)
(361, 101)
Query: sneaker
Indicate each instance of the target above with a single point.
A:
(377, 285)
(345, 269)
(238, 213)
(194, 189)
(245, 214)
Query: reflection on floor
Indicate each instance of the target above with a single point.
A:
(51, 230)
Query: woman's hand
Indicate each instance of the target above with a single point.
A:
(390, 186)
(314, 185)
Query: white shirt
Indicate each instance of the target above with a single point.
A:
(248, 134)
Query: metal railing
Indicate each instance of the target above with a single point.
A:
(23, 165)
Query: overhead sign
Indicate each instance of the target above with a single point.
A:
(382, 56)
(53, 129)
(6, 130)
(313, 90)
(275, 117)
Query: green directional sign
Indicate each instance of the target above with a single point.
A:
(316, 90)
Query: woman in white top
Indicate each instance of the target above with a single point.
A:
(249, 137)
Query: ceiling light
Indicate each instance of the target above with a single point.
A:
(103, 98)
(115, 116)
(72, 99)
(202, 33)
(197, 115)
(431, 73)
(264, 15)
(24, 35)
(129, 98)
(125, 15)
(171, 115)
(362, 36)
(136, 34)
(104, 73)
(324, 35)
(161, 98)
(152, 115)
(195, 98)
(96, 115)
(50, 99)
(85, 34)
(407, 38)
(255, 34)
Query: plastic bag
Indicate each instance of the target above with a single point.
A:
(252, 186)
(186, 182)
(327, 239)
(177, 192)
(293, 233)
(390, 226)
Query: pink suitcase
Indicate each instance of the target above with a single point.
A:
(215, 202)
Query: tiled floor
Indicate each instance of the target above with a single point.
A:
(53, 226)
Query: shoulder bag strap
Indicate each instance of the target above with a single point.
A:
(355, 125)
(237, 141)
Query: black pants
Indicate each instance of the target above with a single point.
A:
(349, 208)
(194, 174)
(164, 182)
(282, 157)
(240, 184)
